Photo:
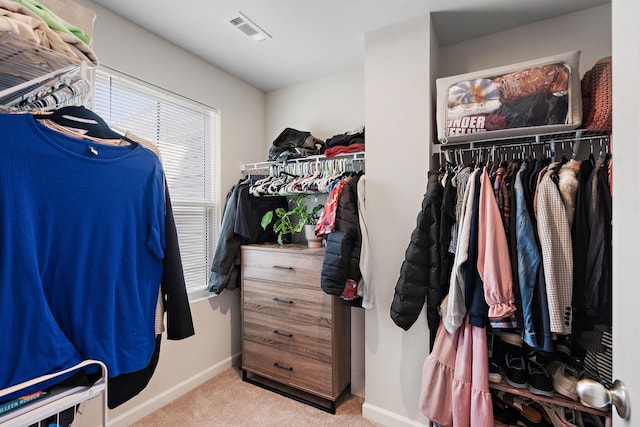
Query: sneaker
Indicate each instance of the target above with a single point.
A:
(590, 375)
(494, 371)
(565, 378)
(515, 370)
(540, 382)
(564, 345)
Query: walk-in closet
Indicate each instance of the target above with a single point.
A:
(225, 321)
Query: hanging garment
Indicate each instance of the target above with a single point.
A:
(512, 244)
(580, 233)
(455, 379)
(172, 299)
(492, 251)
(456, 308)
(341, 261)
(598, 286)
(568, 186)
(365, 287)
(327, 222)
(419, 271)
(240, 225)
(557, 251)
(447, 221)
(460, 183)
(75, 216)
(474, 299)
(528, 259)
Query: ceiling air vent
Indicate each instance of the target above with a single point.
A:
(248, 27)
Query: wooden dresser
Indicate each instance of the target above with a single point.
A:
(296, 339)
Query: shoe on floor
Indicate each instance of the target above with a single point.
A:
(589, 420)
(515, 370)
(494, 371)
(510, 338)
(523, 406)
(503, 412)
(565, 378)
(546, 419)
(540, 381)
(560, 416)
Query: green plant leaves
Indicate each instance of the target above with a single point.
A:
(266, 219)
(292, 220)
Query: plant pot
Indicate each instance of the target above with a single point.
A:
(310, 235)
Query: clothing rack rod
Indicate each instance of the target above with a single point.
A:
(513, 142)
(527, 144)
(261, 166)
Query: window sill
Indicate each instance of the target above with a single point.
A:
(199, 295)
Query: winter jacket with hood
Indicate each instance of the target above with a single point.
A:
(342, 251)
(420, 276)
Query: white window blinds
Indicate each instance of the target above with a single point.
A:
(186, 134)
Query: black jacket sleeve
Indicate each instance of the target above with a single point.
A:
(173, 286)
(420, 271)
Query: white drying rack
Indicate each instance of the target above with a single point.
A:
(59, 400)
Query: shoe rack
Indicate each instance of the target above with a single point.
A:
(558, 400)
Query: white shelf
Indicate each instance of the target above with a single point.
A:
(265, 166)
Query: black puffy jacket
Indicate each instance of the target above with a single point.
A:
(420, 277)
(342, 252)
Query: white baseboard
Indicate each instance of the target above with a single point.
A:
(171, 394)
(388, 418)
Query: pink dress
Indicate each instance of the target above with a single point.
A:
(455, 384)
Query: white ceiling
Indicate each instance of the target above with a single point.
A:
(316, 38)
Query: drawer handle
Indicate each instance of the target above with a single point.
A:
(282, 267)
(283, 334)
(283, 301)
(286, 368)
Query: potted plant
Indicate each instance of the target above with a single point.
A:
(286, 222)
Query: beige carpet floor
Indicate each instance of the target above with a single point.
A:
(226, 400)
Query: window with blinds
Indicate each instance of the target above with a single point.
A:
(186, 134)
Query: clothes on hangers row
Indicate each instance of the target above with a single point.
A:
(303, 177)
(551, 211)
(523, 246)
(240, 225)
(90, 259)
(64, 94)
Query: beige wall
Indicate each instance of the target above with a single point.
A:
(588, 31)
(397, 106)
(324, 107)
(130, 49)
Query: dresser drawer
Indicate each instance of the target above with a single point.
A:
(296, 267)
(288, 302)
(282, 334)
(288, 368)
